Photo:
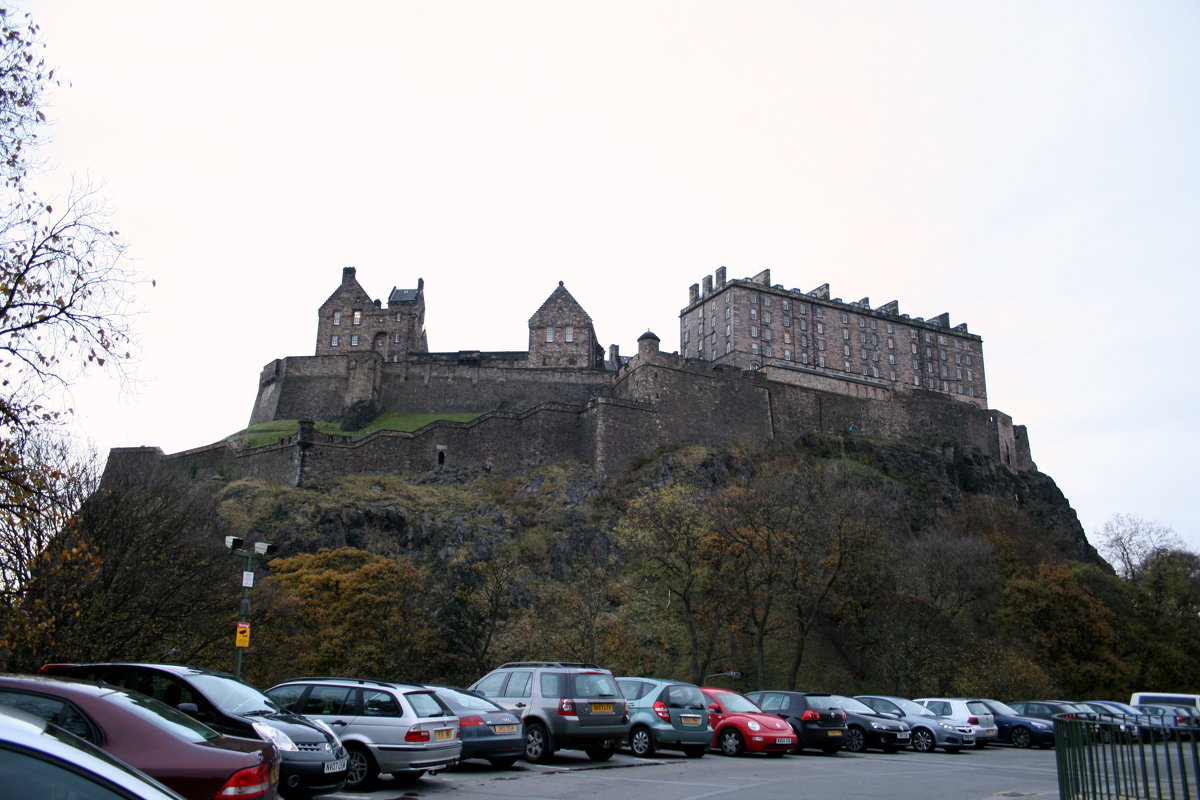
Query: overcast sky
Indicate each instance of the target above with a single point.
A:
(1032, 168)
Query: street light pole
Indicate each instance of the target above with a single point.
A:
(261, 551)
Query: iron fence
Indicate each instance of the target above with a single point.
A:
(1122, 757)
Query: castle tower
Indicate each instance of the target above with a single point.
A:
(561, 334)
(349, 322)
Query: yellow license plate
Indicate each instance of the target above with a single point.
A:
(835, 733)
(506, 729)
(602, 708)
(689, 720)
(443, 733)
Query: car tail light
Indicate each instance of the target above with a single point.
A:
(810, 716)
(566, 708)
(473, 719)
(250, 782)
(972, 720)
(660, 708)
(415, 735)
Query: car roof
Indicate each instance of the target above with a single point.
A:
(354, 682)
(177, 669)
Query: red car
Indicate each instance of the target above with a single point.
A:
(166, 744)
(739, 726)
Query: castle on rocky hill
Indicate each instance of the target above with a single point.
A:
(758, 363)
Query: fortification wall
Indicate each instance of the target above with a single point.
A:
(298, 387)
(462, 388)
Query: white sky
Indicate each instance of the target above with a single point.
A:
(1033, 168)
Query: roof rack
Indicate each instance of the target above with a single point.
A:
(362, 681)
(579, 664)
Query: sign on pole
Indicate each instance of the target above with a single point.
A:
(243, 635)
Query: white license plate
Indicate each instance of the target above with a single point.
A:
(335, 766)
(783, 740)
(902, 735)
(989, 731)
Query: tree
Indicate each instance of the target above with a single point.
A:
(1127, 542)
(63, 298)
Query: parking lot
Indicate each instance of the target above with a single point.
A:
(993, 772)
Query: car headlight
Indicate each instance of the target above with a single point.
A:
(275, 736)
(947, 727)
(320, 723)
(754, 726)
(878, 726)
(1040, 725)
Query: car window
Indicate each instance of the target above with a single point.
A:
(769, 702)
(595, 684)
(549, 684)
(288, 696)
(491, 685)
(465, 702)
(28, 777)
(379, 704)
(519, 684)
(329, 700)
(231, 695)
(938, 707)
(53, 709)
(633, 689)
(976, 707)
(426, 704)
(685, 697)
(735, 703)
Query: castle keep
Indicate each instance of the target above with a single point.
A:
(758, 363)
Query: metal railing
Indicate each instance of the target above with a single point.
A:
(1120, 757)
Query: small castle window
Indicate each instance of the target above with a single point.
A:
(354, 340)
(862, 322)
(889, 328)
(570, 333)
(549, 335)
(845, 318)
(396, 337)
(337, 318)
(754, 331)
(787, 305)
(357, 318)
(754, 348)
(754, 313)
(846, 365)
(787, 354)
(754, 297)
(767, 300)
(335, 340)
(768, 352)
(399, 317)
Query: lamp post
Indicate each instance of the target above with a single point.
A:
(260, 551)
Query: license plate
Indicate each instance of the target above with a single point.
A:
(989, 732)
(689, 719)
(602, 708)
(835, 733)
(443, 733)
(335, 766)
(902, 735)
(506, 729)
(783, 740)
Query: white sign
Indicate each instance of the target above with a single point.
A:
(247, 579)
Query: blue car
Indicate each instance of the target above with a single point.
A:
(666, 715)
(1018, 730)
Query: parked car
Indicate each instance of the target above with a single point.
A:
(815, 719)
(166, 744)
(928, 731)
(666, 715)
(1184, 718)
(313, 760)
(487, 731)
(965, 709)
(402, 729)
(740, 726)
(1014, 728)
(1048, 709)
(1116, 716)
(39, 760)
(563, 704)
(867, 728)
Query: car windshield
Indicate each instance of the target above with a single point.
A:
(912, 709)
(170, 720)
(976, 707)
(465, 702)
(735, 703)
(686, 697)
(1000, 708)
(595, 684)
(850, 704)
(233, 696)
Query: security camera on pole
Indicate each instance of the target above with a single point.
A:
(261, 552)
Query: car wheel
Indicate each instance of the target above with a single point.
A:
(856, 739)
(602, 752)
(641, 741)
(503, 763)
(731, 743)
(361, 770)
(537, 743)
(923, 740)
(695, 750)
(1021, 737)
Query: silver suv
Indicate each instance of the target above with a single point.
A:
(968, 710)
(399, 728)
(564, 705)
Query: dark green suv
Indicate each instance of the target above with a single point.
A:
(564, 705)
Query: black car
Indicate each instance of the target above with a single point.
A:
(818, 722)
(867, 728)
(313, 760)
(1014, 728)
(486, 730)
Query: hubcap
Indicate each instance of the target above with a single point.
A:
(357, 768)
(922, 741)
(641, 742)
(533, 743)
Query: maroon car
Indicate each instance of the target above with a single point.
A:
(166, 744)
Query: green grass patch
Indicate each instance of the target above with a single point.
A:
(266, 433)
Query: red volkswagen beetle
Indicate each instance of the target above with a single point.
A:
(739, 726)
(166, 744)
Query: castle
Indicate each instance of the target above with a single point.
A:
(758, 363)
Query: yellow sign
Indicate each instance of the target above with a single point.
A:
(243, 634)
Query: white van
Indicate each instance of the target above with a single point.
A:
(1164, 699)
